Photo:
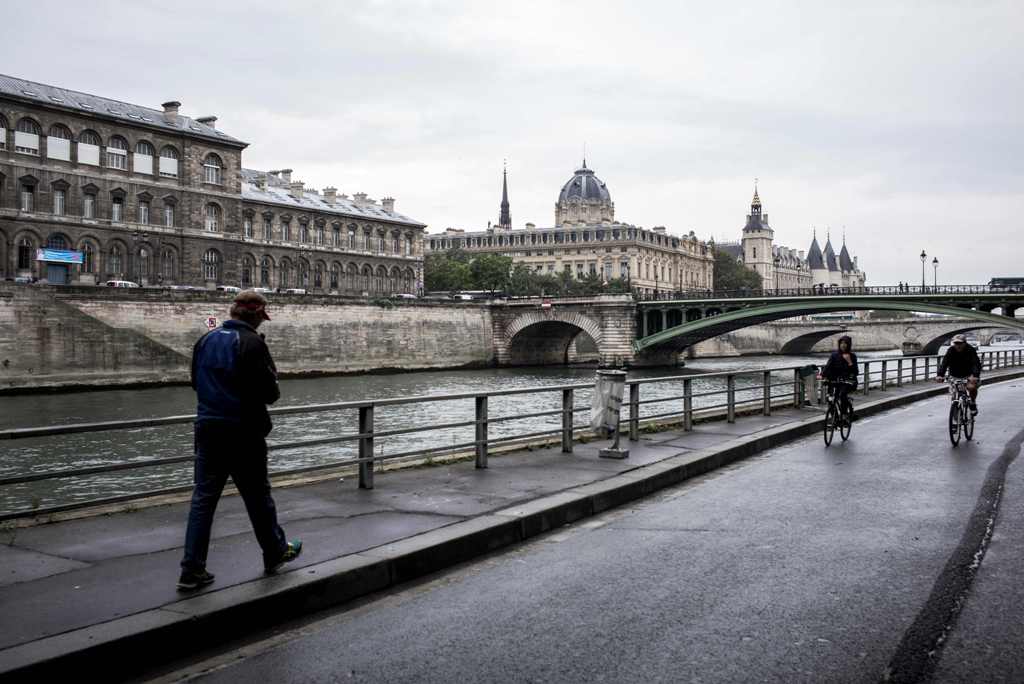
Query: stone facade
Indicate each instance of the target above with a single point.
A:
(158, 198)
(586, 239)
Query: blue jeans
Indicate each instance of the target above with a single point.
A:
(222, 450)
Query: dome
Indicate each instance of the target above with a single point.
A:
(584, 185)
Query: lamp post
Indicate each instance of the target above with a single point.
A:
(777, 261)
(924, 257)
(935, 273)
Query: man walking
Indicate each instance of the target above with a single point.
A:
(234, 378)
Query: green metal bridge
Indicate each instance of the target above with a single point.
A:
(672, 322)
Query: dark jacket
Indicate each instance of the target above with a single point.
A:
(961, 364)
(837, 368)
(234, 377)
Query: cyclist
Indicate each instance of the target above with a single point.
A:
(842, 371)
(961, 360)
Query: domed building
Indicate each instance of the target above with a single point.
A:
(584, 199)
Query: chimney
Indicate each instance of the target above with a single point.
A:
(331, 195)
(296, 188)
(530, 226)
(802, 256)
(286, 175)
(359, 198)
(389, 204)
(210, 121)
(273, 173)
(171, 110)
(261, 182)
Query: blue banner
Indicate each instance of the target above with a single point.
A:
(61, 256)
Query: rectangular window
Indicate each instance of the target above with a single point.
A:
(3, 138)
(268, 230)
(211, 174)
(26, 143)
(89, 206)
(117, 209)
(143, 163)
(117, 159)
(28, 198)
(168, 216)
(58, 202)
(58, 148)
(168, 167)
(143, 212)
(247, 227)
(89, 154)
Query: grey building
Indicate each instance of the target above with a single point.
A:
(93, 189)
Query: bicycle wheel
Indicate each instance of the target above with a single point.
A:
(954, 423)
(968, 423)
(845, 425)
(830, 423)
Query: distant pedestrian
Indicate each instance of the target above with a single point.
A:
(234, 378)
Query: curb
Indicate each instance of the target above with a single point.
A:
(133, 644)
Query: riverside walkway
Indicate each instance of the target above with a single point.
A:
(98, 593)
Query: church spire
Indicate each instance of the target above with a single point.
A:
(505, 218)
(755, 204)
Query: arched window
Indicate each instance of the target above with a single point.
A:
(25, 250)
(89, 148)
(117, 153)
(26, 136)
(265, 270)
(88, 258)
(303, 274)
(3, 132)
(212, 217)
(143, 260)
(352, 277)
(248, 266)
(168, 162)
(89, 138)
(58, 143)
(211, 265)
(335, 276)
(143, 160)
(167, 265)
(115, 260)
(56, 241)
(284, 274)
(318, 276)
(212, 166)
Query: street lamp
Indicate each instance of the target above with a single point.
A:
(777, 261)
(935, 272)
(924, 257)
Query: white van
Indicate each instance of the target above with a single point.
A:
(295, 290)
(121, 283)
(228, 288)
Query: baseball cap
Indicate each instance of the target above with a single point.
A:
(959, 338)
(253, 301)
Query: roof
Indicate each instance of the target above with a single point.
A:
(279, 193)
(586, 186)
(845, 262)
(814, 256)
(830, 256)
(733, 249)
(93, 105)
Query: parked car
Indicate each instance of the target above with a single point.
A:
(23, 279)
(295, 290)
(403, 295)
(228, 288)
(121, 283)
(262, 290)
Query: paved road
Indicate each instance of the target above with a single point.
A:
(802, 564)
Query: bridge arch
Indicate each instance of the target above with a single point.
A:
(932, 346)
(536, 339)
(802, 344)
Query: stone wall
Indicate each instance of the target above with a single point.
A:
(69, 335)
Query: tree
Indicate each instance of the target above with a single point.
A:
(730, 274)
(491, 272)
(443, 272)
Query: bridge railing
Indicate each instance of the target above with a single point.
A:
(651, 402)
(817, 291)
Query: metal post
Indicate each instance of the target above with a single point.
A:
(913, 370)
(798, 384)
(885, 371)
(687, 404)
(867, 377)
(567, 402)
(634, 412)
(366, 447)
(899, 372)
(481, 432)
(730, 398)
(927, 368)
(766, 409)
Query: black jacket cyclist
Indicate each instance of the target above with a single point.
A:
(842, 369)
(961, 360)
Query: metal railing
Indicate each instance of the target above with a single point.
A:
(677, 403)
(819, 291)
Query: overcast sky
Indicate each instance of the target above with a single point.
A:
(900, 121)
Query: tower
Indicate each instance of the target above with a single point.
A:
(757, 243)
(584, 199)
(816, 262)
(504, 217)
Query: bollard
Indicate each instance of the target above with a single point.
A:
(730, 398)
(567, 402)
(366, 447)
(885, 372)
(867, 377)
(634, 412)
(766, 408)
(481, 432)
(687, 404)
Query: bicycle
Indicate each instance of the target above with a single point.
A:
(960, 417)
(834, 415)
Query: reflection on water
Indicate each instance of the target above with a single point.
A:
(100, 448)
